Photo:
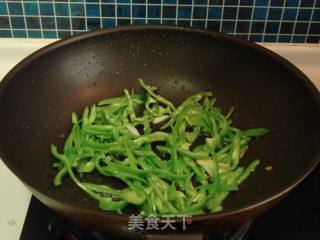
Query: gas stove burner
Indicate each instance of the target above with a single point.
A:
(61, 228)
(239, 233)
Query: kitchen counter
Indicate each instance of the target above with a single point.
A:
(15, 197)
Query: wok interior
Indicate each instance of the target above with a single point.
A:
(37, 103)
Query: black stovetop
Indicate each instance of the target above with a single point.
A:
(297, 217)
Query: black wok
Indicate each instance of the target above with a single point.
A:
(39, 94)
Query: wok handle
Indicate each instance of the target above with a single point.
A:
(189, 236)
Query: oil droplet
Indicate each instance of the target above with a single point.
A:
(11, 222)
(183, 87)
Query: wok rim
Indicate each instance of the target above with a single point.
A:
(196, 218)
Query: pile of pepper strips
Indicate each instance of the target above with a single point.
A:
(173, 160)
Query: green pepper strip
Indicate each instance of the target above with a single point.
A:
(156, 96)
(104, 203)
(255, 132)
